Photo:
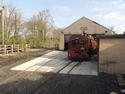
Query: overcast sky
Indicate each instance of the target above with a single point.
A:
(65, 12)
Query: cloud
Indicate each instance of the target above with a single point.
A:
(62, 8)
(100, 9)
(122, 6)
(115, 2)
(114, 15)
(97, 9)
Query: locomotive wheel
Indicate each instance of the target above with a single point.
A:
(88, 56)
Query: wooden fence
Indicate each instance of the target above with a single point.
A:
(5, 49)
(10, 49)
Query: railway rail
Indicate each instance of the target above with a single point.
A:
(60, 80)
(39, 85)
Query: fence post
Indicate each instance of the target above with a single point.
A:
(5, 49)
(22, 47)
(12, 48)
(55, 46)
(18, 48)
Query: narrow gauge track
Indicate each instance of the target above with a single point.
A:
(12, 77)
(39, 85)
(33, 91)
(63, 78)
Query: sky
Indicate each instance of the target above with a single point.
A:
(64, 12)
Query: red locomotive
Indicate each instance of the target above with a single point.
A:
(82, 46)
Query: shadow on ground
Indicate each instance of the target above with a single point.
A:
(65, 84)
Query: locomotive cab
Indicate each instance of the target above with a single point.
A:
(79, 46)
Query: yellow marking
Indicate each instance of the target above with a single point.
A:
(82, 48)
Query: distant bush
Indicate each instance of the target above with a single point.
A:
(13, 41)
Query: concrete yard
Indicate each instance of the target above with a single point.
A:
(53, 73)
(55, 61)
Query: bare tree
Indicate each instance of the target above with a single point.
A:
(9, 20)
(112, 28)
(39, 24)
(56, 33)
(31, 25)
(44, 23)
(12, 21)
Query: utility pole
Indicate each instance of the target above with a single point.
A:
(2, 22)
(15, 33)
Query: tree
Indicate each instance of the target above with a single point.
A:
(9, 20)
(31, 25)
(112, 28)
(38, 25)
(56, 33)
(13, 21)
(34, 30)
(114, 33)
(44, 23)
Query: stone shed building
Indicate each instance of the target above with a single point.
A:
(111, 57)
(83, 24)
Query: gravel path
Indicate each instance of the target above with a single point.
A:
(10, 59)
(80, 84)
(5, 71)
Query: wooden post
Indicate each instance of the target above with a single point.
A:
(22, 48)
(18, 48)
(12, 48)
(55, 46)
(5, 49)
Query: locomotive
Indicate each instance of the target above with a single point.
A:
(82, 46)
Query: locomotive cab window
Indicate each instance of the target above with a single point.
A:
(82, 41)
(73, 41)
(76, 41)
